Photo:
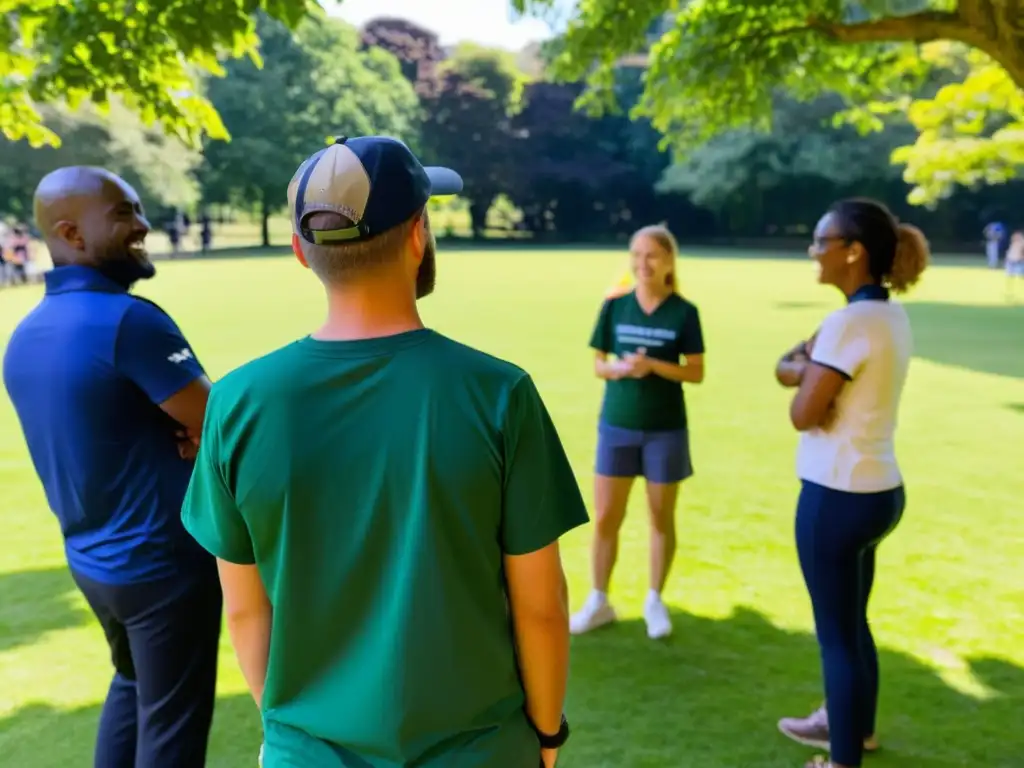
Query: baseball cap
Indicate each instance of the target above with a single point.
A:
(375, 181)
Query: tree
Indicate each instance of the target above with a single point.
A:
(146, 54)
(575, 176)
(159, 166)
(467, 125)
(767, 182)
(314, 85)
(416, 48)
(970, 128)
(718, 65)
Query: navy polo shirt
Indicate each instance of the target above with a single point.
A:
(86, 371)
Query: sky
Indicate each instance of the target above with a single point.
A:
(487, 22)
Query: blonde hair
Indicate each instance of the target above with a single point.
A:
(661, 234)
(912, 256)
(334, 263)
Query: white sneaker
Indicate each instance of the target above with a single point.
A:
(659, 625)
(596, 612)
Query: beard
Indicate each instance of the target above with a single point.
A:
(426, 275)
(126, 269)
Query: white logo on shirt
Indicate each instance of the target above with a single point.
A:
(182, 356)
(644, 337)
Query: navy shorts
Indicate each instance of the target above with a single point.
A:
(660, 457)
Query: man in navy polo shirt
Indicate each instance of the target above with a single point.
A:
(108, 393)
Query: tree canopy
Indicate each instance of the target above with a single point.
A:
(160, 167)
(146, 54)
(718, 65)
(467, 125)
(315, 83)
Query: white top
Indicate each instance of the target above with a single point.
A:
(870, 344)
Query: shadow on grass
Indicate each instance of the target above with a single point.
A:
(987, 339)
(710, 697)
(1018, 407)
(707, 698)
(800, 304)
(35, 602)
(41, 736)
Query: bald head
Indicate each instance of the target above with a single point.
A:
(62, 193)
(93, 217)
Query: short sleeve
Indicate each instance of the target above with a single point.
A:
(541, 500)
(601, 339)
(152, 352)
(209, 512)
(691, 336)
(840, 345)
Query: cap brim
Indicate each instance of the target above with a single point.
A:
(443, 181)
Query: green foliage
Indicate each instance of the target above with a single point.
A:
(314, 85)
(466, 122)
(716, 66)
(159, 166)
(970, 132)
(801, 145)
(146, 54)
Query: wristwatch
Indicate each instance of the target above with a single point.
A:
(549, 741)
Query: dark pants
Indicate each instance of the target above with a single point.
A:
(836, 537)
(163, 638)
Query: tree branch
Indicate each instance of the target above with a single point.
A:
(926, 27)
(919, 28)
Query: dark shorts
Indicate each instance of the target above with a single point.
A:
(660, 457)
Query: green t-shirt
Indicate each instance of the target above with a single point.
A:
(377, 484)
(671, 331)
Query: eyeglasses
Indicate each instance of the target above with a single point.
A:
(821, 243)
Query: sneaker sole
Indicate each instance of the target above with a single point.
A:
(817, 744)
(659, 635)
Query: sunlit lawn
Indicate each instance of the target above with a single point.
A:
(948, 605)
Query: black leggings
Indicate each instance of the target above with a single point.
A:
(836, 536)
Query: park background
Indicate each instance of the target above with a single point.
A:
(935, 129)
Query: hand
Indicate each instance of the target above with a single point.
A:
(639, 365)
(616, 369)
(809, 345)
(188, 444)
(548, 757)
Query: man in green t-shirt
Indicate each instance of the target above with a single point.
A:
(385, 505)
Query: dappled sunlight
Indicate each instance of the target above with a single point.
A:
(946, 605)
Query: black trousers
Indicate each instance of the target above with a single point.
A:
(837, 534)
(163, 637)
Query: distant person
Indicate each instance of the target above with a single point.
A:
(849, 379)
(656, 338)
(205, 234)
(173, 230)
(1015, 262)
(4, 265)
(107, 391)
(18, 254)
(385, 505)
(995, 241)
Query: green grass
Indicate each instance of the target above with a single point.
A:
(947, 609)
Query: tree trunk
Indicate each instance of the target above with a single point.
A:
(265, 221)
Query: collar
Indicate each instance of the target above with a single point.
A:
(869, 292)
(79, 278)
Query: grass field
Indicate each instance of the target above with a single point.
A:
(948, 605)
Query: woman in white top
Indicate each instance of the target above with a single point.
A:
(849, 378)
